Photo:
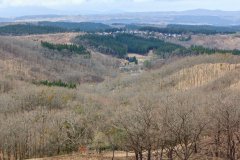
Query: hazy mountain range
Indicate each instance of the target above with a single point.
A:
(199, 16)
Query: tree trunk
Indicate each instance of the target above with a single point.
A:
(149, 154)
(9, 154)
(170, 154)
(195, 148)
(136, 155)
(217, 143)
(3, 154)
(113, 152)
(58, 150)
(141, 155)
(161, 154)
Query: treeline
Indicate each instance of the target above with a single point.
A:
(195, 29)
(119, 44)
(201, 50)
(76, 27)
(52, 27)
(193, 50)
(58, 84)
(28, 29)
(74, 49)
(58, 27)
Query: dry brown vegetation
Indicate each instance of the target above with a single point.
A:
(62, 38)
(227, 42)
(187, 109)
(27, 60)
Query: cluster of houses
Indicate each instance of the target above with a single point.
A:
(149, 34)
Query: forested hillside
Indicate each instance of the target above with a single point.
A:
(193, 50)
(120, 44)
(56, 27)
(28, 29)
(104, 44)
(51, 27)
(194, 29)
(77, 27)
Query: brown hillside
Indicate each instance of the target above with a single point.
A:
(27, 60)
(229, 42)
(182, 106)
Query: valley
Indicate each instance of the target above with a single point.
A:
(67, 92)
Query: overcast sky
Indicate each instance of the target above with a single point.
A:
(78, 6)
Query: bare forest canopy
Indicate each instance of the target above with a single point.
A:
(29, 60)
(56, 101)
(171, 112)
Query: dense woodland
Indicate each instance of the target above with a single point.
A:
(120, 44)
(194, 29)
(78, 27)
(104, 44)
(56, 27)
(193, 50)
(51, 27)
(28, 29)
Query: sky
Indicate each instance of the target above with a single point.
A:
(13, 7)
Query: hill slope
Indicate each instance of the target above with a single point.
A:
(27, 60)
(187, 98)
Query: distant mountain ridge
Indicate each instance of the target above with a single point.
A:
(195, 17)
(5, 19)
